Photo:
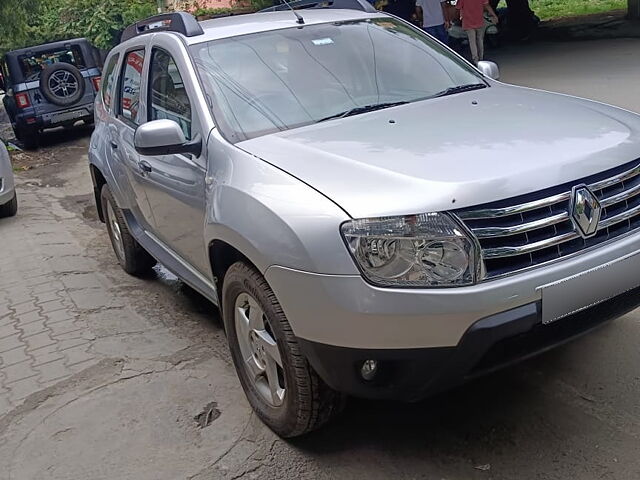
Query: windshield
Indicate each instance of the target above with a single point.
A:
(278, 80)
(33, 64)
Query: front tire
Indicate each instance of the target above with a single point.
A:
(283, 389)
(10, 208)
(133, 259)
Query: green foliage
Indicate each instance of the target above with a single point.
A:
(13, 21)
(42, 21)
(548, 9)
(202, 12)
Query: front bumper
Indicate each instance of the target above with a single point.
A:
(428, 339)
(490, 344)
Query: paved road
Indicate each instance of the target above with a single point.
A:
(102, 375)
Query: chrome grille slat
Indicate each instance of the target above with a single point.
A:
(489, 232)
(621, 217)
(527, 234)
(626, 195)
(512, 210)
(528, 248)
(616, 179)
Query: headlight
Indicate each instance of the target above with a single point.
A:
(427, 250)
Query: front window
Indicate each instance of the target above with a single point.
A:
(168, 95)
(278, 80)
(33, 64)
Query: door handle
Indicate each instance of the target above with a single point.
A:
(144, 167)
(114, 145)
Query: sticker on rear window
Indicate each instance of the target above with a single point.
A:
(322, 41)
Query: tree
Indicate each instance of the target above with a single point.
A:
(14, 16)
(32, 22)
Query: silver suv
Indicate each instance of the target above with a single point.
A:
(373, 215)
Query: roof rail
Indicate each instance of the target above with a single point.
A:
(362, 5)
(181, 22)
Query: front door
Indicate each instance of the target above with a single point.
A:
(175, 184)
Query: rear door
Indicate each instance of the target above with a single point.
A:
(175, 184)
(131, 112)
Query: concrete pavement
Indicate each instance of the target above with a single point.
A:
(106, 376)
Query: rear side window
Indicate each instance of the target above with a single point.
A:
(33, 63)
(109, 81)
(130, 86)
(168, 97)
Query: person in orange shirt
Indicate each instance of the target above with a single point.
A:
(472, 14)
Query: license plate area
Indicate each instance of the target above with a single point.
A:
(589, 288)
(67, 116)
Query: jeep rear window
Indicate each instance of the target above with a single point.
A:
(33, 64)
(282, 79)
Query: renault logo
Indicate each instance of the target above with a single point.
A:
(585, 211)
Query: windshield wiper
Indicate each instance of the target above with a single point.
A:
(460, 88)
(363, 109)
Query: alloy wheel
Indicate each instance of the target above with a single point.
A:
(260, 353)
(115, 232)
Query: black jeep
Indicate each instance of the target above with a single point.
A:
(48, 86)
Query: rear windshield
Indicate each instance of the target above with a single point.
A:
(34, 63)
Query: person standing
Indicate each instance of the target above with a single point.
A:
(473, 23)
(434, 18)
(404, 9)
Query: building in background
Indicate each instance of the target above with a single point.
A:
(191, 5)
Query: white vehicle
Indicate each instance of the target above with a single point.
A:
(8, 196)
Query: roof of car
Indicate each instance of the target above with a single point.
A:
(47, 46)
(233, 26)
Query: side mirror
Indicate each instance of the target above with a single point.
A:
(164, 137)
(489, 69)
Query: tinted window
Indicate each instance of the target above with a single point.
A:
(130, 85)
(287, 78)
(33, 64)
(168, 97)
(109, 81)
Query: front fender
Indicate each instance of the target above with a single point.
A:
(271, 217)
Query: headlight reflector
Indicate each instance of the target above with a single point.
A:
(426, 250)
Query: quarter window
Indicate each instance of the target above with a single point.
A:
(130, 85)
(168, 96)
(109, 81)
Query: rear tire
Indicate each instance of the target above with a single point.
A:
(10, 208)
(28, 136)
(133, 259)
(303, 401)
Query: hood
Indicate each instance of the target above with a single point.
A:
(455, 151)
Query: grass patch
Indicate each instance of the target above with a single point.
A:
(548, 9)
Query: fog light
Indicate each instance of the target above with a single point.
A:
(369, 369)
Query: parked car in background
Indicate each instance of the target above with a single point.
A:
(8, 196)
(49, 86)
(332, 180)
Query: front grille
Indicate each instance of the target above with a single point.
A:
(526, 231)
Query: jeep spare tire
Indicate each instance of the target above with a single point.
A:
(62, 84)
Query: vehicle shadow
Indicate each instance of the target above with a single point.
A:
(473, 412)
(59, 137)
(500, 420)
